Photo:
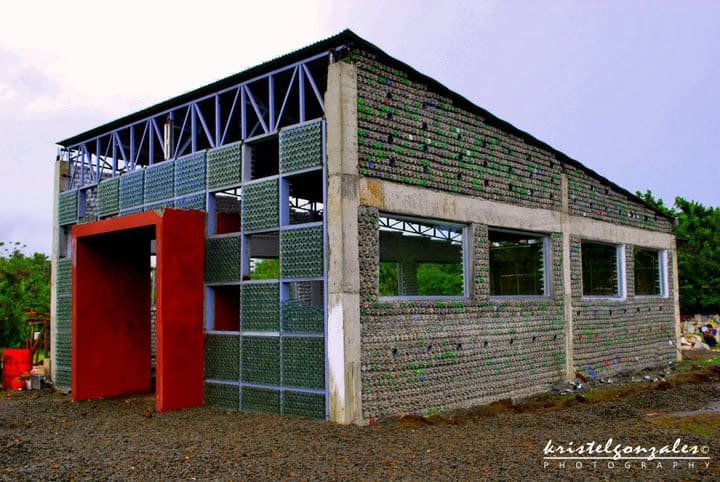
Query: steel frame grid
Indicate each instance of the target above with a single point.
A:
(224, 384)
(280, 334)
(191, 174)
(325, 268)
(293, 147)
(67, 207)
(120, 150)
(216, 159)
(108, 203)
(239, 386)
(132, 192)
(159, 185)
(283, 225)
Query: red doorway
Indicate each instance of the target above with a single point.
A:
(111, 348)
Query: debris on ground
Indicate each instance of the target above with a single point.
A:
(46, 436)
(701, 332)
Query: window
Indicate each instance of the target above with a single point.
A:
(225, 211)
(649, 272)
(263, 256)
(421, 258)
(223, 308)
(602, 269)
(65, 242)
(517, 264)
(261, 158)
(303, 196)
(303, 306)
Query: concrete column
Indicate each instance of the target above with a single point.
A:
(567, 281)
(59, 178)
(343, 330)
(676, 298)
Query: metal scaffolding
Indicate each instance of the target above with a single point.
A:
(258, 106)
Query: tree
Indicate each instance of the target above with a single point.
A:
(440, 279)
(698, 252)
(268, 268)
(433, 279)
(24, 288)
(657, 203)
(698, 233)
(388, 279)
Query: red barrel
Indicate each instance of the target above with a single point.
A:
(16, 362)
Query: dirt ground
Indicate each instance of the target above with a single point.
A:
(45, 436)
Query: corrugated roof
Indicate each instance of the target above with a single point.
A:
(350, 39)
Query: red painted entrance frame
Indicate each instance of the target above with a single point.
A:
(111, 307)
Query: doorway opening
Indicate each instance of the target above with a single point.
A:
(112, 342)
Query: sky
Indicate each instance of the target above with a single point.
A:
(628, 87)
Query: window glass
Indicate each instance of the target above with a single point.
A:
(421, 258)
(647, 272)
(600, 269)
(517, 264)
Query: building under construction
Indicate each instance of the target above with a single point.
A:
(335, 235)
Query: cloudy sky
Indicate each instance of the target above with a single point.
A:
(628, 87)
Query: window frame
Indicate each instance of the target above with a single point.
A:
(662, 255)
(621, 285)
(547, 271)
(466, 234)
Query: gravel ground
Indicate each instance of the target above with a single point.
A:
(44, 436)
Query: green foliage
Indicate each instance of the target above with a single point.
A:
(698, 252)
(24, 288)
(388, 279)
(657, 203)
(433, 279)
(440, 279)
(698, 234)
(268, 268)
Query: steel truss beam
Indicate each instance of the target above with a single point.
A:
(303, 205)
(235, 113)
(445, 233)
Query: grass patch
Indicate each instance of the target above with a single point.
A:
(704, 424)
(608, 393)
(686, 365)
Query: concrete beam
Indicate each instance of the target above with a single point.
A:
(417, 201)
